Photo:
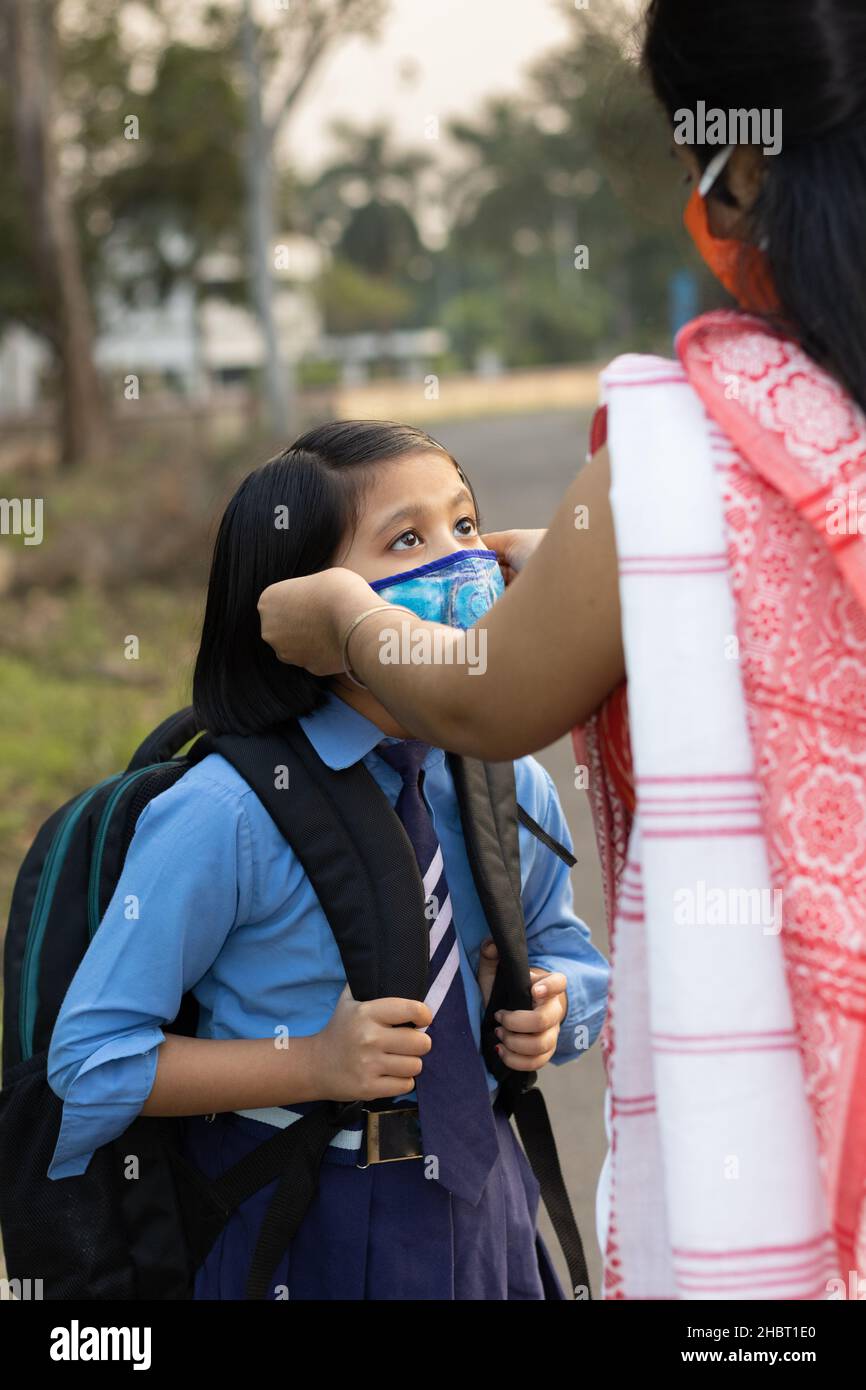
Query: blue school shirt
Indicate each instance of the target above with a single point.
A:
(212, 899)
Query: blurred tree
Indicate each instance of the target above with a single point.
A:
(162, 182)
(372, 191)
(566, 208)
(354, 302)
(279, 60)
(169, 111)
(50, 241)
(137, 162)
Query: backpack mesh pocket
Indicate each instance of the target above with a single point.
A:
(68, 1232)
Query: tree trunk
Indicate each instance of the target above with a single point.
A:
(260, 222)
(31, 55)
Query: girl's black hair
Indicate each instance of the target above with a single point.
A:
(807, 59)
(287, 518)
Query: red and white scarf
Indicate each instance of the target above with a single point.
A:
(736, 1051)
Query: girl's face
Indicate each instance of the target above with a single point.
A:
(416, 509)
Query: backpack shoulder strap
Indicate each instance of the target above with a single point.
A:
(166, 740)
(546, 839)
(353, 849)
(360, 862)
(488, 812)
(489, 815)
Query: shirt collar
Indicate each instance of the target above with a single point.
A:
(342, 736)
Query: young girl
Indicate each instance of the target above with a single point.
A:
(224, 909)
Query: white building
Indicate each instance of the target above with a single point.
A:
(194, 340)
(199, 338)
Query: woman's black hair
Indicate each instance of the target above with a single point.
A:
(807, 59)
(287, 518)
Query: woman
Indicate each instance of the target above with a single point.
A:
(711, 550)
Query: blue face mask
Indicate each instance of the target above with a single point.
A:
(457, 589)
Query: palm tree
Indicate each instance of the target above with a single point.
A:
(373, 192)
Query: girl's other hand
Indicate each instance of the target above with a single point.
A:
(304, 619)
(513, 548)
(487, 963)
(528, 1037)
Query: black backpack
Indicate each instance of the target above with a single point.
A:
(99, 1236)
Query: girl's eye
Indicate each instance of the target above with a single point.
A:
(465, 521)
(414, 540)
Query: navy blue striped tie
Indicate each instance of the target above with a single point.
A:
(454, 1102)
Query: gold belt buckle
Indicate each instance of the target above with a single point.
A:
(379, 1140)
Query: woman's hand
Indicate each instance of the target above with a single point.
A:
(304, 619)
(513, 548)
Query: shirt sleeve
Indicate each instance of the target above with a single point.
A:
(556, 937)
(186, 882)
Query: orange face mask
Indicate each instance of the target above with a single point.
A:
(743, 270)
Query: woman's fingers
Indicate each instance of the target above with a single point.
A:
(303, 619)
(513, 547)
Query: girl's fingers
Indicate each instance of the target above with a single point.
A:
(401, 1066)
(531, 1020)
(529, 1046)
(405, 1042)
(391, 1086)
(516, 1062)
(547, 983)
(393, 1011)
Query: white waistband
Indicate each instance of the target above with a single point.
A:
(282, 1117)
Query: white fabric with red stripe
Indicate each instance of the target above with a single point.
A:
(712, 1188)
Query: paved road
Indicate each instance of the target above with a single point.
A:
(519, 468)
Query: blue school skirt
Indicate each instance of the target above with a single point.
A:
(380, 1232)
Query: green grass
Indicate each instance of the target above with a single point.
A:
(73, 709)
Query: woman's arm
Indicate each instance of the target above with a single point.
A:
(548, 652)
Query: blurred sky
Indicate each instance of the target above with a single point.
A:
(458, 51)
